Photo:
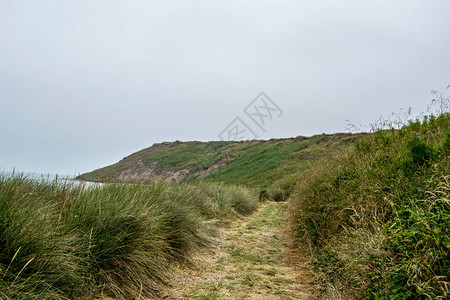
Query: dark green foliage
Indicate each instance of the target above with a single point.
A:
(378, 218)
(418, 151)
(279, 197)
(263, 196)
(275, 195)
(446, 144)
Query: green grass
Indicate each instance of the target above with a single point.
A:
(195, 155)
(174, 156)
(65, 241)
(371, 209)
(275, 164)
(377, 219)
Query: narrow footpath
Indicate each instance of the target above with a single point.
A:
(248, 259)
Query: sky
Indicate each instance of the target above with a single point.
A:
(85, 83)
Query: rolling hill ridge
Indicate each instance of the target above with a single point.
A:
(252, 163)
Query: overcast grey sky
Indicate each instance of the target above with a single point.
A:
(85, 83)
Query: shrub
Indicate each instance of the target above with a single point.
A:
(376, 218)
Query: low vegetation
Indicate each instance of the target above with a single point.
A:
(376, 218)
(273, 164)
(372, 210)
(276, 163)
(65, 240)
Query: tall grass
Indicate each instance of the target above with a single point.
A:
(376, 219)
(66, 241)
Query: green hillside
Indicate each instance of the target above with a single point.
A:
(256, 163)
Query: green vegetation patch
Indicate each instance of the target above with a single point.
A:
(68, 241)
(273, 164)
(195, 155)
(377, 218)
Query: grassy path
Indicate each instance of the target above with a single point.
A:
(248, 260)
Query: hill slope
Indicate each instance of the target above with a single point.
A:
(252, 163)
(377, 219)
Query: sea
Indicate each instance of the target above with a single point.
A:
(63, 179)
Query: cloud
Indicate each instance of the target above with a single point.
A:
(84, 83)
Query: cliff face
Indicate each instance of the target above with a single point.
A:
(149, 171)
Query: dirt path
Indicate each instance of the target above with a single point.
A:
(249, 259)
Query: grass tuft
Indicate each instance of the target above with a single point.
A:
(69, 241)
